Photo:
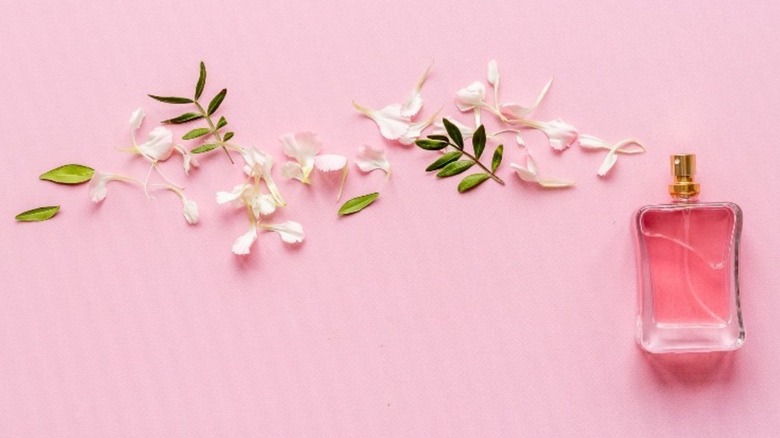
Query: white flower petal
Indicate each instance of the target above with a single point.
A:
(607, 164)
(97, 186)
(412, 106)
(233, 195)
(554, 183)
(244, 242)
(303, 147)
(190, 210)
(520, 140)
(524, 173)
(439, 129)
(392, 125)
(136, 118)
(471, 97)
(263, 205)
(330, 162)
(292, 170)
(416, 129)
(629, 146)
(561, 134)
(492, 74)
(159, 145)
(590, 142)
(369, 159)
(514, 112)
(289, 231)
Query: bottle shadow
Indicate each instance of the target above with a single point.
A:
(692, 369)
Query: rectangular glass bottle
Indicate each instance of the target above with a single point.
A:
(687, 263)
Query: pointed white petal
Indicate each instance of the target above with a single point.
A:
(190, 210)
(330, 162)
(530, 163)
(514, 112)
(524, 173)
(590, 142)
(520, 140)
(416, 129)
(97, 186)
(473, 96)
(291, 169)
(303, 147)
(412, 106)
(607, 164)
(369, 159)
(233, 195)
(629, 146)
(244, 242)
(392, 125)
(136, 118)
(439, 129)
(159, 145)
(561, 134)
(289, 231)
(554, 183)
(492, 74)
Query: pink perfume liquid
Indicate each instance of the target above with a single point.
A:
(688, 286)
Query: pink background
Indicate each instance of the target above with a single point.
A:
(508, 311)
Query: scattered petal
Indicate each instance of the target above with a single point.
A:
(263, 204)
(137, 118)
(292, 170)
(369, 159)
(412, 106)
(513, 112)
(159, 145)
(244, 242)
(289, 231)
(234, 195)
(392, 125)
(524, 173)
(190, 210)
(439, 129)
(561, 134)
(627, 146)
(471, 97)
(607, 164)
(554, 183)
(530, 172)
(330, 162)
(303, 147)
(97, 186)
(492, 75)
(415, 130)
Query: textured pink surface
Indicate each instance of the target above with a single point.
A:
(508, 311)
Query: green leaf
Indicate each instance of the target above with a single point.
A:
(439, 137)
(184, 118)
(195, 133)
(228, 135)
(171, 99)
(454, 133)
(355, 205)
(221, 123)
(431, 145)
(205, 148)
(497, 156)
(455, 168)
(216, 101)
(444, 160)
(201, 81)
(472, 181)
(69, 174)
(478, 141)
(38, 214)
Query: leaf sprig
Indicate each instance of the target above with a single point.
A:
(211, 134)
(460, 160)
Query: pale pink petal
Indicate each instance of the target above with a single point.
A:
(292, 170)
(561, 134)
(392, 125)
(289, 231)
(416, 129)
(97, 186)
(369, 159)
(471, 97)
(303, 147)
(330, 162)
(244, 242)
(412, 106)
(159, 145)
(136, 118)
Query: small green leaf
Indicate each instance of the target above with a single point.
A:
(355, 205)
(455, 168)
(201, 81)
(216, 101)
(171, 99)
(228, 135)
(195, 133)
(431, 145)
(69, 174)
(497, 156)
(221, 123)
(454, 133)
(205, 148)
(472, 181)
(38, 214)
(444, 160)
(184, 118)
(478, 141)
(439, 137)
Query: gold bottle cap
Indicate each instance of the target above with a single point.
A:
(683, 171)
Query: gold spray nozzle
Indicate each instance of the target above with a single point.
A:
(683, 170)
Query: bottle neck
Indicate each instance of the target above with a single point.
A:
(681, 199)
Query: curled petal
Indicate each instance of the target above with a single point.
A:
(392, 125)
(244, 242)
(529, 173)
(190, 210)
(292, 170)
(234, 195)
(523, 172)
(263, 204)
(136, 118)
(513, 112)
(97, 186)
(159, 145)
(369, 159)
(627, 146)
(330, 162)
(471, 97)
(412, 106)
(188, 160)
(289, 231)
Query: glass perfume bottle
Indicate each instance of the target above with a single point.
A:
(687, 259)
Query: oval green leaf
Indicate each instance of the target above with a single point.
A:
(184, 118)
(195, 133)
(69, 174)
(497, 156)
(38, 214)
(205, 148)
(216, 101)
(439, 137)
(453, 132)
(472, 181)
(444, 160)
(455, 168)
(228, 136)
(201, 81)
(478, 141)
(355, 205)
(431, 145)
(221, 123)
(171, 99)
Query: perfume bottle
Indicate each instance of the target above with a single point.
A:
(687, 258)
